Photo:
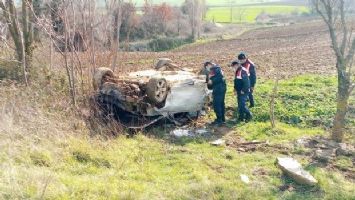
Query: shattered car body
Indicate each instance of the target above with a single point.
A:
(145, 97)
(186, 92)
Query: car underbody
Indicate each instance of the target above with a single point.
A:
(142, 98)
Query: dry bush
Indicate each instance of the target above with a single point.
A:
(29, 131)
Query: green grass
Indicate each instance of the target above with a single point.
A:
(282, 134)
(39, 162)
(305, 101)
(148, 168)
(248, 14)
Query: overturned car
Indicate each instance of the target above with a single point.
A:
(143, 98)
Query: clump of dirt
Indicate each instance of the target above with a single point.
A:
(329, 154)
(264, 146)
(241, 145)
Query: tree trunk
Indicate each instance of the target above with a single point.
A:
(193, 22)
(10, 15)
(37, 12)
(116, 36)
(27, 29)
(272, 103)
(92, 17)
(342, 106)
(23, 59)
(334, 15)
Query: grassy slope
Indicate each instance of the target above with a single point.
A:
(50, 155)
(250, 12)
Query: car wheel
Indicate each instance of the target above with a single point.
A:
(157, 90)
(100, 75)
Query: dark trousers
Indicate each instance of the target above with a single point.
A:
(251, 98)
(243, 110)
(219, 105)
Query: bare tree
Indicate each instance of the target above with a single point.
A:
(21, 31)
(241, 13)
(37, 9)
(66, 38)
(156, 19)
(92, 15)
(129, 22)
(114, 12)
(334, 12)
(3, 31)
(231, 5)
(274, 93)
(195, 10)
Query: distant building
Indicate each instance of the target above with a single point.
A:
(263, 18)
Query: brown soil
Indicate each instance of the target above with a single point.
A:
(295, 49)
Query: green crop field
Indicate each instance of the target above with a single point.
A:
(249, 13)
(208, 2)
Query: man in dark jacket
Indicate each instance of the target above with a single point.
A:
(205, 71)
(242, 88)
(250, 67)
(218, 85)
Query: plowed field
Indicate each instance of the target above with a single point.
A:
(287, 50)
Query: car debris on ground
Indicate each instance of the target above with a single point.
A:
(245, 178)
(326, 150)
(293, 169)
(218, 142)
(190, 132)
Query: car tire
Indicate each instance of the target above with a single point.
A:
(157, 90)
(99, 76)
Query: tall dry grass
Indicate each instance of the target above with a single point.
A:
(35, 122)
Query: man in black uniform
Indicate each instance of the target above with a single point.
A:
(250, 68)
(218, 84)
(242, 88)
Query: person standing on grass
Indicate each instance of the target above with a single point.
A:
(218, 85)
(250, 67)
(242, 89)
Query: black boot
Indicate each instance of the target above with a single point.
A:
(249, 118)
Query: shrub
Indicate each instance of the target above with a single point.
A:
(9, 70)
(84, 157)
(41, 159)
(164, 44)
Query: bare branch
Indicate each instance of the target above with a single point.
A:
(325, 10)
(318, 9)
(351, 89)
(4, 59)
(2, 6)
(344, 27)
(351, 52)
